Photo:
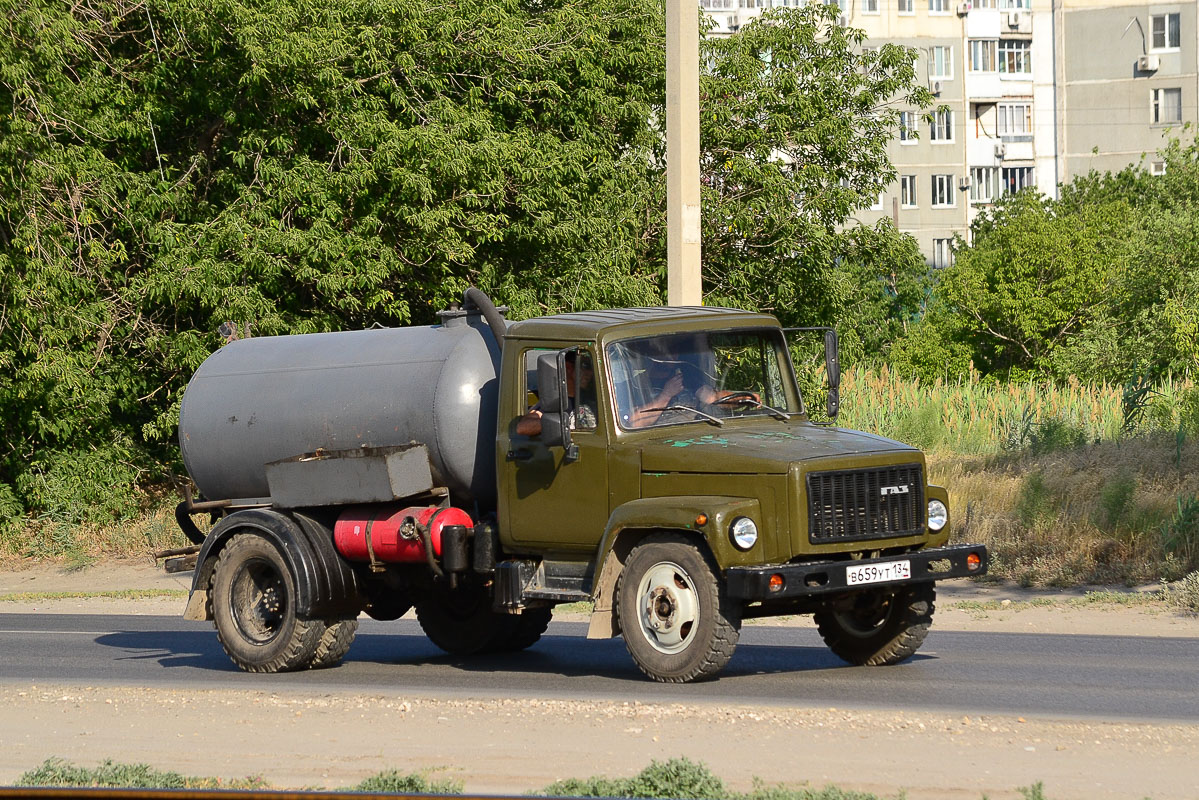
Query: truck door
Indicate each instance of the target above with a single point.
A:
(552, 501)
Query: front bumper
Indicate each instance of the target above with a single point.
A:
(828, 577)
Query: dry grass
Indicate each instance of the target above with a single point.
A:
(1095, 514)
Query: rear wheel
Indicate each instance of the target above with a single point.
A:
(879, 627)
(677, 623)
(334, 644)
(521, 631)
(254, 608)
(460, 620)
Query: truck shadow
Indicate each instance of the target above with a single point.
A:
(565, 656)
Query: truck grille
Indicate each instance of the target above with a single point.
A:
(855, 504)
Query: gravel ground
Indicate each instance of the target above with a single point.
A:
(495, 746)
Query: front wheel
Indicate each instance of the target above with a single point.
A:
(879, 627)
(254, 608)
(677, 623)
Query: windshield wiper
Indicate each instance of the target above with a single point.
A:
(717, 421)
(745, 399)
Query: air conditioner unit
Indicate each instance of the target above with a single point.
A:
(936, 87)
(1148, 63)
(1000, 150)
(964, 183)
(1013, 20)
(963, 9)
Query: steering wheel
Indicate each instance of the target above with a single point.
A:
(741, 398)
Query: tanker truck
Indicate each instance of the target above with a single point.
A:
(657, 463)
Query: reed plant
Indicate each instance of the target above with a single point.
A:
(1067, 483)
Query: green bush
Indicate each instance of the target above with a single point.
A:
(677, 777)
(1035, 501)
(58, 772)
(1115, 498)
(1183, 593)
(1180, 535)
(394, 782)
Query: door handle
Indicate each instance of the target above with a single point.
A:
(520, 454)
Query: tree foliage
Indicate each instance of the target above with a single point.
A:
(795, 123)
(290, 166)
(1102, 284)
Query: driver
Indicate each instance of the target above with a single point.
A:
(675, 382)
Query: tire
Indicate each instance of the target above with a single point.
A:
(522, 631)
(677, 622)
(460, 621)
(334, 644)
(882, 627)
(254, 608)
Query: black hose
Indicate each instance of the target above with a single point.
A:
(193, 534)
(477, 298)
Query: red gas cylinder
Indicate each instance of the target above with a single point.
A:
(387, 533)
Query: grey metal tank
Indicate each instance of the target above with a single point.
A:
(260, 400)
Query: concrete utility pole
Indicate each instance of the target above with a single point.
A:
(683, 284)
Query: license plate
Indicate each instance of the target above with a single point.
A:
(878, 573)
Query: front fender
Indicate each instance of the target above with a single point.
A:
(326, 586)
(637, 518)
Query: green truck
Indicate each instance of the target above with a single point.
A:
(657, 463)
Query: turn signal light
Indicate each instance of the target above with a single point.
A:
(973, 562)
(776, 582)
(701, 520)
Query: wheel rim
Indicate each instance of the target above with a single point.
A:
(668, 607)
(258, 600)
(869, 614)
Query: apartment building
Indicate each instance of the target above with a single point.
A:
(1028, 93)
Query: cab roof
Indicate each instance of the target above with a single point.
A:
(590, 325)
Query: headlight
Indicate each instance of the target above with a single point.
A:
(743, 532)
(938, 515)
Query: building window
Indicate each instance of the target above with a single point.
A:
(877, 205)
(907, 191)
(908, 134)
(907, 7)
(983, 184)
(1008, 5)
(1167, 105)
(1016, 178)
(1015, 56)
(1165, 31)
(982, 55)
(983, 4)
(1157, 168)
(942, 253)
(869, 6)
(942, 126)
(1015, 120)
(943, 191)
(940, 61)
(939, 6)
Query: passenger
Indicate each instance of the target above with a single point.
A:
(530, 423)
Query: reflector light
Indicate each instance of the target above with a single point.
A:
(973, 562)
(776, 582)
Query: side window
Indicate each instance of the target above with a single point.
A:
(585, 400)
(531, 378)
(580, 371)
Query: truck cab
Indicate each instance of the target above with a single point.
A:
(697, 447)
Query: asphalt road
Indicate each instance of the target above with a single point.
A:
(1107, 677)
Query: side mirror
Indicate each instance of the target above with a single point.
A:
(555, 402)
(832, 365)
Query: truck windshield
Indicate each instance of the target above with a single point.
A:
(708, 375)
